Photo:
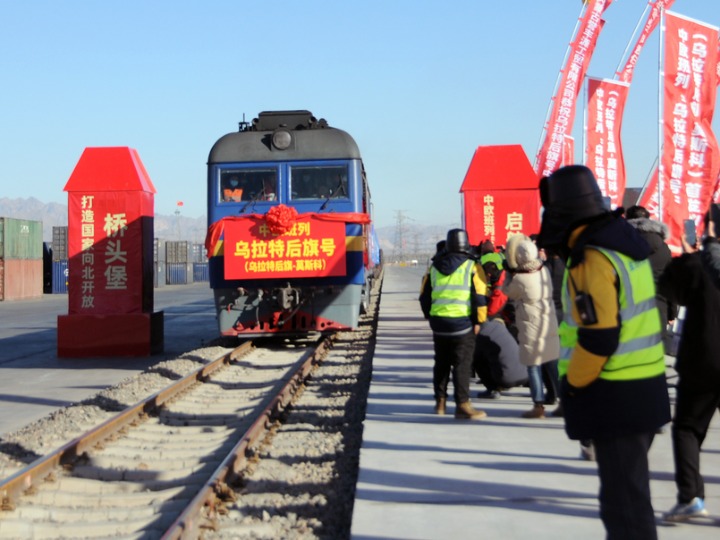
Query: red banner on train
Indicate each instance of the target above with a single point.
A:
(312, 247)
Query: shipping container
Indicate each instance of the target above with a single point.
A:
(197, 253)
(159, 279)
(20, 239)
(200, 272)
(22, 279)
(60, 243)
(159, 250)
(60, 277)
(179, 273)
(177, 252)
(47, 267)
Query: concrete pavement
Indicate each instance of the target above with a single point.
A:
(424, 476)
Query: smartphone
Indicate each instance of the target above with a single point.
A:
(690, 232)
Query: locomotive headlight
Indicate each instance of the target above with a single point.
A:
(281, 139)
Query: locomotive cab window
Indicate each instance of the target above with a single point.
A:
(248, 185)
(319, 182)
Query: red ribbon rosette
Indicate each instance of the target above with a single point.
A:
(281, 218)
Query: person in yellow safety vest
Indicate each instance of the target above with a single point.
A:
(453, 299)
(612, 364)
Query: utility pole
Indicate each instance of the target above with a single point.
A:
(399, 243)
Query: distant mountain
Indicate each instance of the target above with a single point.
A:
(56, 215)
(411, 241)
(406, 242)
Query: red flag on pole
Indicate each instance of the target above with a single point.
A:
(568, 151)
(606, 102)
(627, 73)
(562, 116)
(690, 161)
(716, 197)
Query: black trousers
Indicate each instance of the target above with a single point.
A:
(694, 409)
(625, 505)
(453, 355)
(551, 379)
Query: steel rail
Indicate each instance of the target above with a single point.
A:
(15, 485)
(188, 523)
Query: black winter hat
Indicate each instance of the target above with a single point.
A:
(457, 241)
(570, 196)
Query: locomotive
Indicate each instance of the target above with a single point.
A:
(291, 246)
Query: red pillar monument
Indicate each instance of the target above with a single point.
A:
(110, 251)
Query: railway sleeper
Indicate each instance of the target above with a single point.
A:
(119, 499)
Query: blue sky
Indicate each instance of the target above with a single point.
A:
(418, 83)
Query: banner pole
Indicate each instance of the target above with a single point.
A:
(585, 121)
(625, 55)
(647, 179)
(557, 84)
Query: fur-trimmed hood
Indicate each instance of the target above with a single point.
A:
(521, 254)
(650, 226)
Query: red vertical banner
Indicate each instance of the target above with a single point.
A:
(568, 151)
(653, 19)
(562, 116)
(690, 152)
(716, 197)
(606, 103)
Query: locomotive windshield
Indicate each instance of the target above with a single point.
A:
(248, 185)
(319, 182)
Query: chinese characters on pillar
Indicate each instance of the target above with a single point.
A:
(115, 257)
(501, 218)
(513, 225)
(489, 217)
(115, 275)
(87, 245)
(106, 256)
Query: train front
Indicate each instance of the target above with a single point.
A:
(288, 226)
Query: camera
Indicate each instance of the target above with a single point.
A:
(585, 308)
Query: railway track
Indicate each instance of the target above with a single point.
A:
(146, 472)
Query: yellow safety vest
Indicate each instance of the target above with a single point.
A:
(451, 294)
(640, 353)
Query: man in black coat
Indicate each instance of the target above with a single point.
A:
(693, 280)
(655, 233)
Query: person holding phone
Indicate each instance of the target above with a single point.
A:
(655, 234)
(690, 232)
(693, 280)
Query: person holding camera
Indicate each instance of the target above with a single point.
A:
(612, 365)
